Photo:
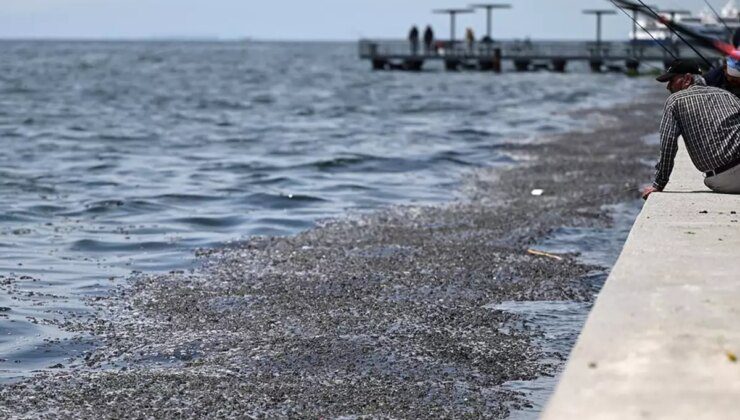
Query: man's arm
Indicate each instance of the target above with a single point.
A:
(669, 132)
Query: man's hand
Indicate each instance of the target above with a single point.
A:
(647, 191)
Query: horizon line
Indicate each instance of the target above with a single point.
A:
(205, 39)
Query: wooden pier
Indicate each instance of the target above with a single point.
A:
(525, 55)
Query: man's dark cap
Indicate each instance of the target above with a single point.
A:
(679, 67)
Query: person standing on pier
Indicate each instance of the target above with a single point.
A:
(470, 38)
(428, 39)
(414, 39)
(708, 118)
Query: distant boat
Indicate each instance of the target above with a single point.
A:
(704, 22)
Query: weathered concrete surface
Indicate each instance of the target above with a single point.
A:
(661, 340)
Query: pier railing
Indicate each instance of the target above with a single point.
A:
(525, 50)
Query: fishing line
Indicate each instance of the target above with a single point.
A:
(661, 19)
(653, 66)
(719, 18)
(646, 31)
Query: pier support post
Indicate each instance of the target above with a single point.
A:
(413, 64)
(497, 60)
(632, 65)
(452, 64)
(596, 64)
(493, 63)
(380, 64)
(522, 64)
(558, 65)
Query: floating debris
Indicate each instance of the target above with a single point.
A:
(544, 254)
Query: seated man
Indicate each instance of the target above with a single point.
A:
(725, 77)
(708, 118)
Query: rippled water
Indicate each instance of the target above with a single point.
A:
(128, 156)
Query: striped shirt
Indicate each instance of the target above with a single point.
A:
(708, 118)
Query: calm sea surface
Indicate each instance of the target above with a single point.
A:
(118, 157)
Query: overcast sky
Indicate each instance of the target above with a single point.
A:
(299, 19)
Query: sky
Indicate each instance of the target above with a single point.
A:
(302, 19)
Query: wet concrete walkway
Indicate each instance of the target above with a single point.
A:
(663, 338)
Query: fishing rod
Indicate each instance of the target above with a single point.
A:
(646, 31)
(702, 39)
(678, 29)
(719, 18)
(663, 20)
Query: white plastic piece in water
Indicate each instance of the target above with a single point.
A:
(537, 193)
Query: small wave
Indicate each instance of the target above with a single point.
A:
(6, 217)
(184, 198)
(123, 137)
(46, 209)
(102, 167)
(96, 184)
(128, 206)
(104, 94)
(280, 201)
(92, 245)
(270, 180)
(470, 132)
(451, 157)
(103, 206)
(652, 139)
(273, 226)
(27, 186)
(367, 164)
(223, 104)
(239, 140)
(234, 167)
(11, 90)
(566, 98)
(304, 112)
(11, 133)
(431, 108)
(212, 222)
(547, 128)
(341, 162)
(265, 99)
(522, 122)
(284, 222)
(345, 187)
(149, 58)
(21, 231)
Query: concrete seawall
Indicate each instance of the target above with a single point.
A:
(663, 339)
